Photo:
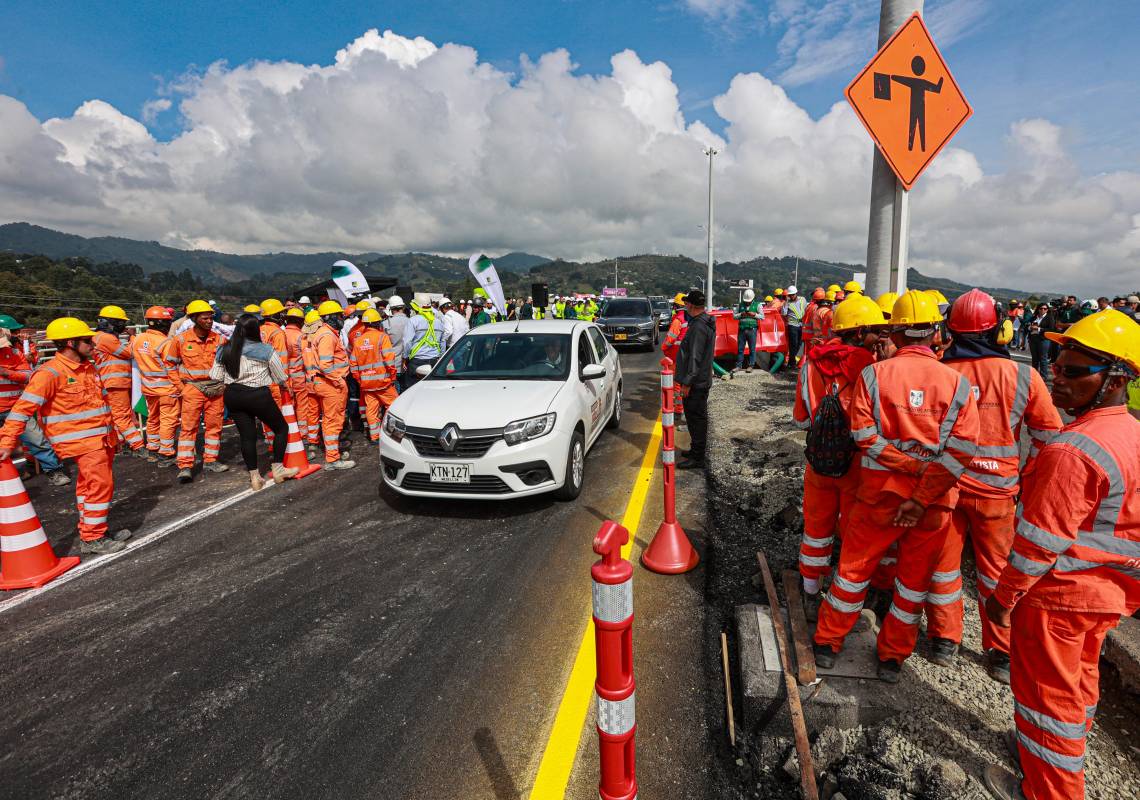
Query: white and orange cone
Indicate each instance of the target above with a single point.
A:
(27, 560)
(295, 448)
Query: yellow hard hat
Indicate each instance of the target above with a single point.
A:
(779, 293)
(852, 286)
(915, 308)
(363, 305)
(271, 306)
(679, 299)
(370, 315)
(857, 311)
(830, 295)
(833, 287)
(886, 303)
(199, 307)
(64, 328)
(329, 307)
(768, 298)
(295, 311)
(1109, 332)
(112, 312)
(252, 308)
(312, 317)
(938, 296)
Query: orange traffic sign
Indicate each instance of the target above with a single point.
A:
(908, 101)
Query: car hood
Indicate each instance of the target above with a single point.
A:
(473, 404)
(624, 320)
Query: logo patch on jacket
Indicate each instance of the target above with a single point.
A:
(917, 396)
(977, 392)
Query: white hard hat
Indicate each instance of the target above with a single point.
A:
(304, 299)
(445, 301)
(749, 295)
(792, 290)
(395, 300)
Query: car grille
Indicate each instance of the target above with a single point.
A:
(471, 444)
(630, 329)
(480, 484)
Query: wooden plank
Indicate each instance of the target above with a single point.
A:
(727, 688)
(808, 789)
(801, 633)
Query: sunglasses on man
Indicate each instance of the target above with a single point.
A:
(1070, 371)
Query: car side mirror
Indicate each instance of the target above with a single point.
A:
(592, 371)
(423, 369)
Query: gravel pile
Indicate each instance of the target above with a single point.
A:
(958, 717)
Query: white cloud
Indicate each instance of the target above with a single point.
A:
(828, 37)
(152, 108)
(718, 9)
(399, 144)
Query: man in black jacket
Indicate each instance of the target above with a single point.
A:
(694, 376)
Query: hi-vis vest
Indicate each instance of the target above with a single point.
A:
(429, 336)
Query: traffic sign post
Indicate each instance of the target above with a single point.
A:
(911, 105)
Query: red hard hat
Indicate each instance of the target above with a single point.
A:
(973, 312)
(159, 312)
(819, 294)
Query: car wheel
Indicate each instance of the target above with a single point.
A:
(575, 468)
(615, 415)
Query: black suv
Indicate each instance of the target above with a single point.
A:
(629, 320)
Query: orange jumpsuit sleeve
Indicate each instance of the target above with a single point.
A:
(801, 411)
(17, 369)
(1058, 494)
(1041, 418)
(39, 390)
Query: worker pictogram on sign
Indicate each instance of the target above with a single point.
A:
(908, 101)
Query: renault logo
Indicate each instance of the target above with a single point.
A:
(448, 438)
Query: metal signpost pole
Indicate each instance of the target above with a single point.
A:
(710, 152)
(883, 232)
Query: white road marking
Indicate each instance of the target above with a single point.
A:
(132, 545)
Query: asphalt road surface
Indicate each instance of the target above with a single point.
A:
(318, 640)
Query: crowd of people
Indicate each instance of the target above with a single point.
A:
(333, 365)
(924, 433)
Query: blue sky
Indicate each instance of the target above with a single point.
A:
(1074, 63)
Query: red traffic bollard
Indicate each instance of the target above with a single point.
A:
(670, 552)
(613, 638)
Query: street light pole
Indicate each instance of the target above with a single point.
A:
(710, 152)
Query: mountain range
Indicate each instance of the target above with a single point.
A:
(648, 273)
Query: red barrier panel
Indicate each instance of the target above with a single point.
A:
(614, 684)
(670, 552)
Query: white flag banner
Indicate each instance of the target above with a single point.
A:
(485, 273)
(349, 279)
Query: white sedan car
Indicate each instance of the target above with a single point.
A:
(510, 410)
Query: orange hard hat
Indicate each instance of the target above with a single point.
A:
(819, 294)
(159, 312)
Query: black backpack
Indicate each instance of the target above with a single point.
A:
(830, 446)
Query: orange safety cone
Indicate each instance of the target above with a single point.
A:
(26, 558)
(295, 448)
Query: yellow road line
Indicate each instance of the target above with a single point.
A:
(562, 746)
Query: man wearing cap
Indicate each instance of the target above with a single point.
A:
(694, 376)
(70, 400)
(1132, 307)
(794, 311)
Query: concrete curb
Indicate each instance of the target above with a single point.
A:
(1122, 650)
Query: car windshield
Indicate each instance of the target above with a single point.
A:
(625, 307)
(660, 305)
(506, 356)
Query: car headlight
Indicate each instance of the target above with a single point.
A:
(394, 427)
(522, 430)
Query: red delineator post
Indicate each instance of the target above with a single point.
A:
(614, 685)
(670, 552)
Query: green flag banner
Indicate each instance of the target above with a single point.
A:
(487, 276)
